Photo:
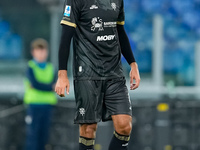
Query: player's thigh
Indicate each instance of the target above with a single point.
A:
(122, 123)
(117, 100)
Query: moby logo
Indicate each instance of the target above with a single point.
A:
(105, 38)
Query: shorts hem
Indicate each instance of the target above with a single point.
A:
(97, 78)
(103, 120)
(117, 113)
(122, 113)
(86, 121)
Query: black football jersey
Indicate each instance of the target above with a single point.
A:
(97, 53)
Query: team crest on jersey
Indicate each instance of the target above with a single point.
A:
(114, 6)
(67, 11)
(97, 23)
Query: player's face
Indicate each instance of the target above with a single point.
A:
(40, 55)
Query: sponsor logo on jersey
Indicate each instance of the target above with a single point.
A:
(94, 7)
(82, 111)
(110, 24)
(105, 38)
(97, 23)
(114, 6)
(67, 11)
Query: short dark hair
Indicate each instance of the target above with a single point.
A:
(39, 43)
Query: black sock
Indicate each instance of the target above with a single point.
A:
(86, 143)
(119, 142)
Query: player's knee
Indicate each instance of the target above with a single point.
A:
(124, 128)
(91, 128)
(88, 130)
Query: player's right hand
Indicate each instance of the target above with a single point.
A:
(62, 83)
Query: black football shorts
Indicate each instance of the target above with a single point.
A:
(98, 100)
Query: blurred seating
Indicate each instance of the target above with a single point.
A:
(150, 6)
(191, 18)
(10, 43)
(181, 6)
(181, 31)
(4, 28)
(173, 61)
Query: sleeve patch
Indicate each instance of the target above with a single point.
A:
(67, 11)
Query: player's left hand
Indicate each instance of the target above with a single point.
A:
(134, 75)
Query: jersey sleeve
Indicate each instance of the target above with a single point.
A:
(121, 17)
(71, 13)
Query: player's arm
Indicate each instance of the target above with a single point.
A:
(37, 85)
(128, 55)
(71, 15)
(64, 49)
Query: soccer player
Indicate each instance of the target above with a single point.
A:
(99, 39)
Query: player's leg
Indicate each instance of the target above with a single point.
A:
(87, 136)
(89, 100)
(123, 127)
(118, 108)
(122, 124)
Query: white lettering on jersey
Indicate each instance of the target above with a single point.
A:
(80, 68)
(105, 38)
(110, 24)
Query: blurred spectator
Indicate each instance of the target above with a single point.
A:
(39, 96)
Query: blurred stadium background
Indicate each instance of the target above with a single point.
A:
(164, 35)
